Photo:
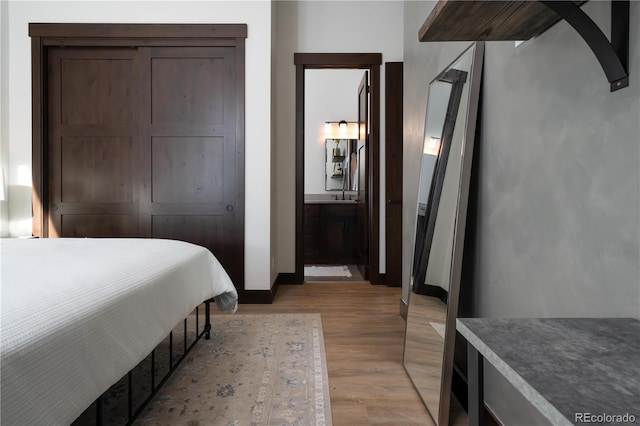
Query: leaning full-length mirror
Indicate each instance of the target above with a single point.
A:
(452, 105)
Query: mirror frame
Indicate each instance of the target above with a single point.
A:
(474, 79)
(419, 270)
(460, 227)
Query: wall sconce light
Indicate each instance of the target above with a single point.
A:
(342, 127)
(432, 146)
(328, 129)
(340, 130)
(3, 193)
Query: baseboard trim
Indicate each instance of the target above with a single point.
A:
(434, 291)
(376, 279)
(259, 296)
(404, 310)
(288, 278)
(394, 283)
(255, 296)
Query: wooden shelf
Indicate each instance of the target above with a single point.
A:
(483, 20)
(452, 20)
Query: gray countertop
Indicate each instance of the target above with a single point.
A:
(337, 198)
(330, 201)
(565, 366)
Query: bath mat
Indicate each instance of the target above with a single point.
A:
(327, 271)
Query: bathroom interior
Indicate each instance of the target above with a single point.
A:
(331, 175)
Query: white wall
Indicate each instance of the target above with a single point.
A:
(323, 27)
(274, 160)
(330, 95)
(4, 110)
(257, 14)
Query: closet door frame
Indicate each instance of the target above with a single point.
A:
(44, 35)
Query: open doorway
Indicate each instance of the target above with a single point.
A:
(366, 151)
(331, 175)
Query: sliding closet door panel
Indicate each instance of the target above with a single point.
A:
(196, 95)
(192, 171)
(96, 84)
(92, 134)
(199, 229)
(189, 139)
(98, 225)
(96, 170)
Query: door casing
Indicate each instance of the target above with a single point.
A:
(365, 61)
(362, 204)
(393, 160)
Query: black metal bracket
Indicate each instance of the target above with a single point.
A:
(614, 55)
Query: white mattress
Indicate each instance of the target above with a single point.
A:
(78, 314)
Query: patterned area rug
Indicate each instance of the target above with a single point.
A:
(256, 370)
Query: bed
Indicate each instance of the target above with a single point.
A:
(79, 314)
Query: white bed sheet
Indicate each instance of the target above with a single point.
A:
(78, 314)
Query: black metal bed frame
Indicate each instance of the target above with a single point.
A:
(132, 411)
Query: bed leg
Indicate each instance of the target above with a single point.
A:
(130, 395)
(207, 320)
(99, 411)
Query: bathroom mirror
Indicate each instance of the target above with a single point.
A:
(338, 164)
(452, 105)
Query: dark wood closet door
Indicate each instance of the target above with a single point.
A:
(93, 130)
(142, 143)
(188, 141)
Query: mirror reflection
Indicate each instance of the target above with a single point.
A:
(340, 164)
(426, 361)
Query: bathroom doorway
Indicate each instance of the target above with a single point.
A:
(333, 229)
(367, 152)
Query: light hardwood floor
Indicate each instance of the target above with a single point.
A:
(363, 336)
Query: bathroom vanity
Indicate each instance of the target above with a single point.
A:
(329, 231)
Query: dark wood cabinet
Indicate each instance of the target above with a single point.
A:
(329, 233)
(311, 232)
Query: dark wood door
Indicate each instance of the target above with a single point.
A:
(393, 173)
(362, 214)
(188, 147)
(143, 143)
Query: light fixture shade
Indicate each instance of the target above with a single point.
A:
(3, 193)
(340, 130)
(432, 146)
